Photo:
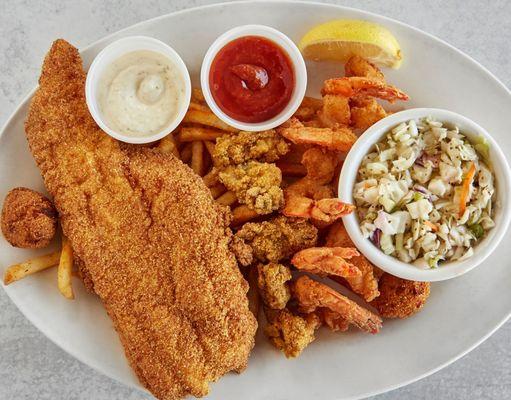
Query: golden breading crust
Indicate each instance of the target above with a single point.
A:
(29, 219)
(84, 274)
(242, 251)
(358, 66)
(279, 238)
(290, 333)
(255, 184)
(272, 280)
(367, 283)
(235, 149)
(400, 298)
(150, 237)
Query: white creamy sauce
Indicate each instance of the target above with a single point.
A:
(140, 93)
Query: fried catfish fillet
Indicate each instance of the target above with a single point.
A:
(150, 237)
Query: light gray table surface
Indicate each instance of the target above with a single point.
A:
(31, 367)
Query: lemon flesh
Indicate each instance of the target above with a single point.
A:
(340, 39)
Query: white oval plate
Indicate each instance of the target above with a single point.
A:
(460, 314)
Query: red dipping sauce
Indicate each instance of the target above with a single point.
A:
(252, 79)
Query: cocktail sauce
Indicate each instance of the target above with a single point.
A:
(251, 79)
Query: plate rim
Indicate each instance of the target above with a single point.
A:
(386, 388)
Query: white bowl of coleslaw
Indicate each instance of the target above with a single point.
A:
(432, 194)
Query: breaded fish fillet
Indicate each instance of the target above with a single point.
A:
(151, 239)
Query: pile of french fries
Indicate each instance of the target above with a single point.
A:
(193, 143)
(62, 258)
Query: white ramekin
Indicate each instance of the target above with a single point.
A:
(112, 52)
(294, 55)
(449, 269)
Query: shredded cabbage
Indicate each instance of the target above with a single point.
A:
(386, 244)
(409, 191)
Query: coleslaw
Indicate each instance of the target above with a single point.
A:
(425, 194)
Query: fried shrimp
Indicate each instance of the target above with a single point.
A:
(351, 101)
(29, 219)
(332, 319)
(359, 66)
(312, 295)
(235, 149)
(290, 333)
(312, 197)
(255, 184)
(365, 284)
(321, 212)
(320, 164)
(327, 261)
(336, 111)
(279, 238)
(365, 111)
(351, 106)
(400, 298)
(336, 139)
(272, 280)
(360, 86)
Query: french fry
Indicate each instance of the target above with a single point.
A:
(20, 271)
(211, 178)
(199, 107)
(195, 133)
(65, 269)
(291, 169)
(197, 162)
(169, 145)
(208, 162)
(198, 96)
(242, 214)
(207, 118)
(217, 190)
(227, 199)
(210, 146)
(186, 153)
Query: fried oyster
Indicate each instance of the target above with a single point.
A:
(290, 333)
(272, 280)
(279, 238)
(255, 184)
(267, 146)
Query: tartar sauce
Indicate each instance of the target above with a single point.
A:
(139, 93)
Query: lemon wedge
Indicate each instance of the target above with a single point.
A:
(338, 40)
